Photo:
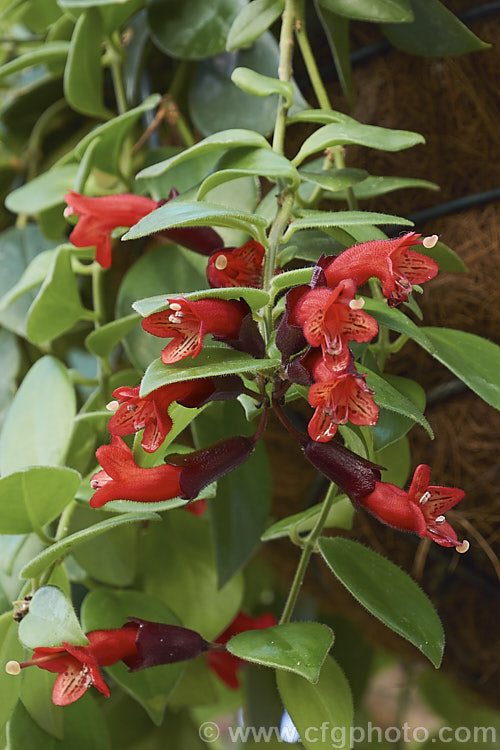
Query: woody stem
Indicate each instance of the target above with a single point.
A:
(307, 550)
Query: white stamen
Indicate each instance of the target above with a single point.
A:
(357, 304)
(430, 241)
(68, 211)
(13, 668)
(220, 262)
(440, 519)
(113, 406)
(173, 319)
(463, 547)
(426, 496)
(175, 306)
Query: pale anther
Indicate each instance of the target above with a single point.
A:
(440, 519)
(463, 547)
(221, 262)
(426, 496)
(13, 667)
(357, 304)
(175, 306)
(113, 406)
(430, 241)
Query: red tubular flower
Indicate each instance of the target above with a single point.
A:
(331, 317)
(139, 644)
(97, 217)
(188, 322)
(420, 510)
(150, 412)
(339, 397)
(391, 261)
(224, 664)
(237, 266)
(185, 475)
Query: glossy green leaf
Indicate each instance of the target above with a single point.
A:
(256, 298)
(61, 548)
(18, 247)
(10, 361)
(339, 517)
(392, 426)
(310, 244)
(210, 362)
(219, 142)
(178, 213)
(435, 32)
(343, 133)
(250, 162)
(392, 399)
(50, 621)
(103, 340)
(320, 116)
(336, 30)
(446, 258)
(473, 359)
(377, 11)
(288, 279)
(32, 277)
(106, 155)
(193, 30)
(256, 84)
(251, 22)
(10, 649)
(178, 567)
(397, 458)
(90, 430)
(327, 704)
(319, 219)
(39, 423)
(31, 498)
(372, 186)
(299, 647)
(387, 592)
(36, 697)
(396, 320)
(83, 75)
(57, 306)
(215, 103)
(45, 53)
(105, 608)
(332, 180)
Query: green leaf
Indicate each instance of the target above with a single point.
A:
(61, 548)
(36, 697)
(46, 53)
(31, 498)
(103, 340)
(177, 213)
(50, 621)
(392, 426)
(343, 133)
(332, 180)
(103, 609)
(396, 320)
(377, 11)
(83, 75)
(288, 279)
(38, 426)
(210, 362)
(10, 361)
(336, 31)
(256, 298)
(193, 30)
(250, 162)
(387, 592)
(106, 155)
(57, 306)
(256, 84)
(178, 567)
(392, 399)
(435, 32)
(339, 517)
(299, 647)
(320, 116)
(10, 649)
(32, 277)
(319, 219)
(328, 704)
(446, 258)
(90, 431)
(18, 247)
(219, 142)
(373, 186)
(397, 458)
(473, 359)
(251, 22)
(310, 244)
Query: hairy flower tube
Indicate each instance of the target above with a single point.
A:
(185, 475)
(392, 261)
(188, 322)
(237, 266)
(224, 664)
(420, 510)
(139, 644)
(97, 217)
(331, 317)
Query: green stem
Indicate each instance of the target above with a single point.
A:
(284, 72)
(308, 549)
(64, 519)
(308, 57)
(338, 157)
(104, 369)
(279, 225)
(115, 58)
